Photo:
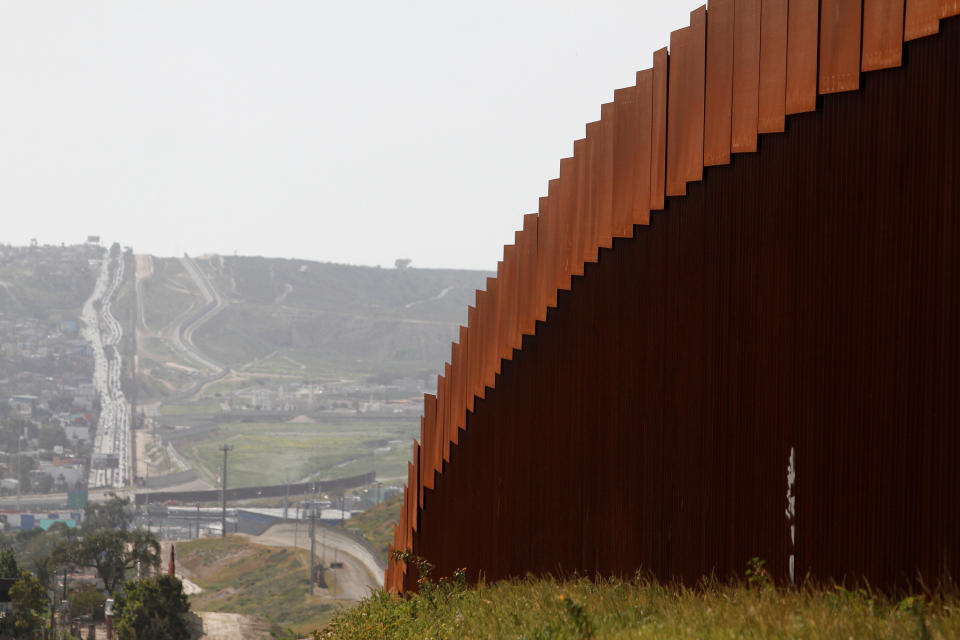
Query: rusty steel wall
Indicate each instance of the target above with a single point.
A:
(763, 363)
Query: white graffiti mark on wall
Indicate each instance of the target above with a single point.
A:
(791, 507)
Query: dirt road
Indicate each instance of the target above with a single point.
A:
(360, 573)
(209, 625)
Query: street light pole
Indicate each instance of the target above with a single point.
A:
(223, 491)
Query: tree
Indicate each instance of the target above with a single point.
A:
(103, 550)
(48, 553)
(112, 553)
(8, 564)
(143, 551)
(29, 606)
(112, 514)
(152, 609)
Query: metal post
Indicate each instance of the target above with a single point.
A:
(198, 520)
(223, 491)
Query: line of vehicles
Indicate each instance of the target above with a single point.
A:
(109, 466)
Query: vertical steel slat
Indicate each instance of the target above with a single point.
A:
(949, 8)
(718, 96)
(428, 436)
(658, 156)
(473, 344)
(882, 34)
(685, 104)
(625, 141)
(508, 339)
(803, 25)
(746, 76)
(603, 179)
(921, 18)
(693, 151)
(567, 215)
(528, 299)
(772, 97)
(446, 412)
(678, 104)
(487, 321)
(839, 46)
(463, 382)
(583, 209)
(643, 149)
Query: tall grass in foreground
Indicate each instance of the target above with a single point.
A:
(541, 608)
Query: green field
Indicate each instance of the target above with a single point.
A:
(208, 407)
(273, 453)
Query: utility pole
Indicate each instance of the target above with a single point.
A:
(313, 542)
(286, 497)
(198, 520)
(223, 491)
(19, 474)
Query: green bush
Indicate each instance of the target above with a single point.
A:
(87, 601)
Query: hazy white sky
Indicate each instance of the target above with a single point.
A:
(354, 132)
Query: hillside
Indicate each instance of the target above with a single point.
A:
(238, 576)
(302, 318)
(376, 523)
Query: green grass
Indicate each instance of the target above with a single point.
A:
(242, 577)
(210, 407)
(546, 608)
(376, 523)
(272, 453)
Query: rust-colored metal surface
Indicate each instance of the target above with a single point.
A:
(603, 181)
(839, 45)
(685, 96)
(582, 207)
(529, 278)
(949, 8)
(643, 147)
(746, 76)
(568, 222)
(772, 95)
(882, 34)
(678, 111)
(718, 95)
(625, 157)
(921, 18)
(787, 328)
(658, 148)
(693, 154)
(803, 24)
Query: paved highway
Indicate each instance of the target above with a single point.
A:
(103, 332)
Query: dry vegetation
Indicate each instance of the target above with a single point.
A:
(242, 577)
(547, 608)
